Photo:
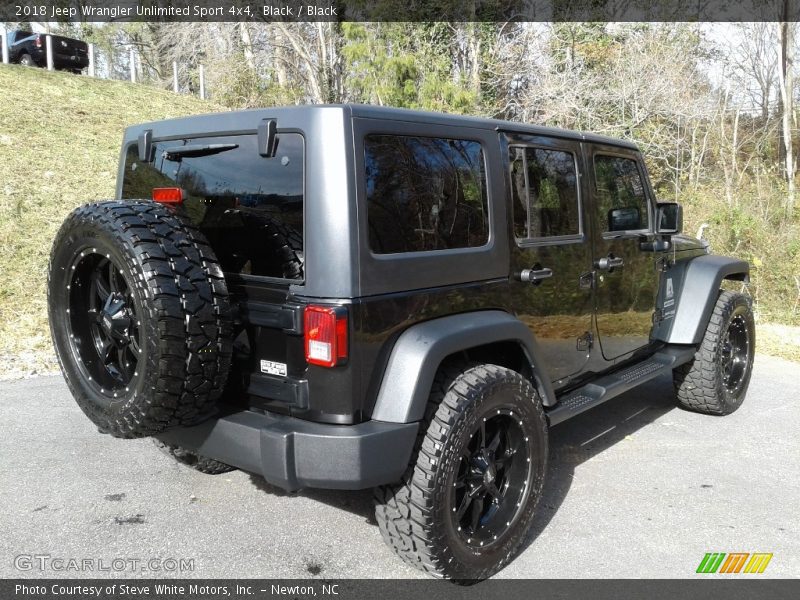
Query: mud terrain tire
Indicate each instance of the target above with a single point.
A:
(469, 495)
(198, 462)
(715, 381)
(139, 316)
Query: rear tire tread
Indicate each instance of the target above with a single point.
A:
(198, 462)
(405, 511)
(186, 302)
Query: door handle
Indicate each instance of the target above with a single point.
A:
(535, 275)
(661, 245)
(609, 263)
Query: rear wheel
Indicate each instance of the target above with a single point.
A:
(26, 60)
(139, 316)
(716, 380)
(470, 493)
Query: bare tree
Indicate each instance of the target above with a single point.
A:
(753, 58)
(318, 61)
(247, 44)
(786, 37)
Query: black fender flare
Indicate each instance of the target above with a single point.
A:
(420, 350)
(688, 293)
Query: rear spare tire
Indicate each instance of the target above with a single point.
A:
(139, 316)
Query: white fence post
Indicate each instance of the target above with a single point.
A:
(91, 60)
(49, 44)
(175, 87)
(202, 82)
(4, 41)
(132, 62)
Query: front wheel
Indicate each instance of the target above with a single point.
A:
(470, 493)
(715, 381)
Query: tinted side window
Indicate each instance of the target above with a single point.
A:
(544, 191)
(425, 193)
(249, 207)
(621, 200)
(19, 36)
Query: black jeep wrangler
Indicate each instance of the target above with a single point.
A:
(352, 297)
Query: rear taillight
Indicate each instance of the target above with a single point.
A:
(38, 42)
(325, 330)
(171, 195)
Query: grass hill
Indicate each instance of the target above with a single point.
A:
(60, 137)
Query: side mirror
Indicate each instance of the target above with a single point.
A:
(624, 219)
(669, 218)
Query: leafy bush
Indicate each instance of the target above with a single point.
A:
(755, 228)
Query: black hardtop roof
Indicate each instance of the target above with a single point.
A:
(403, 114)
(396, 114)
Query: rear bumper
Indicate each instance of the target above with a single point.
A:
(68, 61)
(293, 454)
(60, 61)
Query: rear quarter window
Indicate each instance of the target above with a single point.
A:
(425, 193)
(249, 207)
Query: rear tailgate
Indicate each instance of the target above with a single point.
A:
(68, 52)
(250, 208)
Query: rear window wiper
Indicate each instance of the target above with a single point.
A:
(179, 152)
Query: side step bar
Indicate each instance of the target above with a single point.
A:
(616, 383)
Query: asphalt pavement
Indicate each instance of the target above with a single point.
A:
(637, 488)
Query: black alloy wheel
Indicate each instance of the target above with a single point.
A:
(491, 479)
(104, 323)
(470, 493)
(140, 317)
(735, 354)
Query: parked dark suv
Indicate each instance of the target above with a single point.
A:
(352, 297)
(30, 49)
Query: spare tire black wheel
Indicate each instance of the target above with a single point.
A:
(139, 316)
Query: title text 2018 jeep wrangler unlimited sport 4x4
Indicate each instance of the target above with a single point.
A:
(351, 297)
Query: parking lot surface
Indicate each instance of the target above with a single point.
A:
(636, 488)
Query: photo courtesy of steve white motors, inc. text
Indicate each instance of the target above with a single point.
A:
(171, 589)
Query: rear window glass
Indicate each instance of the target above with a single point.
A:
(19, 35)
(249, 207)
(425, 193)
